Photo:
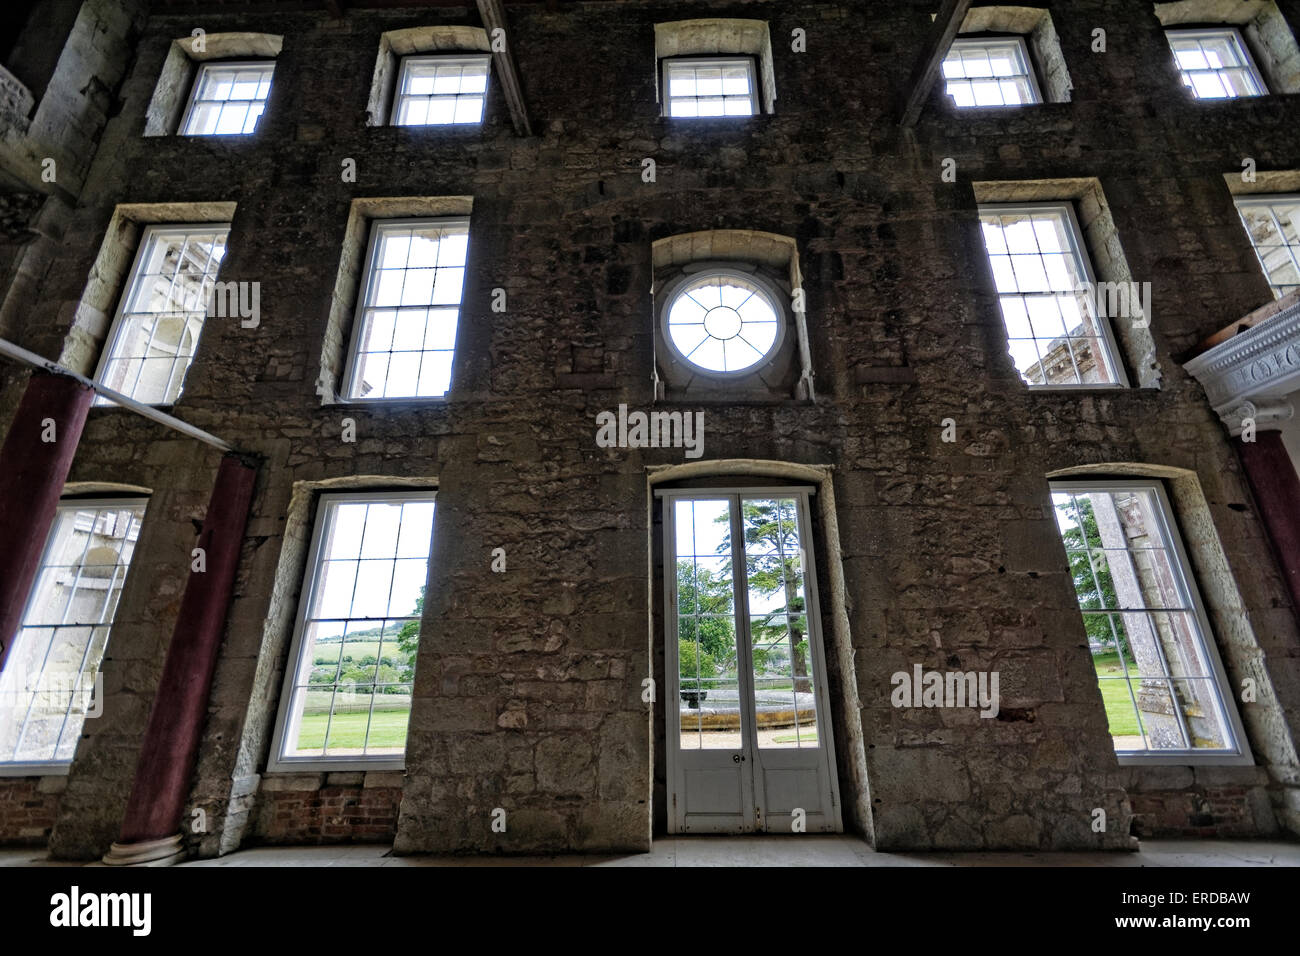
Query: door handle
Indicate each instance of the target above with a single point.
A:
(736, 758)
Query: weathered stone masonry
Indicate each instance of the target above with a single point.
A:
(528, 685)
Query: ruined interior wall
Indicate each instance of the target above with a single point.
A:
(528, 686)
(72, 108)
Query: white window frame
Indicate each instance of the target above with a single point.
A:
(1025, 60)
(128, 293)
(1268, 201)
(63, 767)
(1105, 331)
(221, 65)
(1202, 33)
(277, 762)
(441, 59)
(747, 60)
(1166, 520)
(368, 279)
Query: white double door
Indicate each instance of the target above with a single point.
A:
(748, 729)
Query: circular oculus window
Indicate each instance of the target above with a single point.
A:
(723, 322)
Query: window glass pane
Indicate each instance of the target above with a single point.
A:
(785, 705)
(163, 310)
(710, 87)
(989, 73)
(1148, 645)
(1214, 63)
(1273, 224)
(1055, 336)
(351, 694)
(723, 322)
(708, 676)
(711, 691)
(48, 686)
(409, 317)
(228, 98)
(441, 91)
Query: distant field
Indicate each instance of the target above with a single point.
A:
(319, 703)
(329, 653)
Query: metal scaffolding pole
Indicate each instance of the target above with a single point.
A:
(32, 360)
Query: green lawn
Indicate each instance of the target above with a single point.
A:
(1115, 695)
(388, 729)
(806, 737)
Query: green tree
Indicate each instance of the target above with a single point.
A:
(701, 594)
(772, 525)
(696, 667)
(1091, 573)
(408, 641)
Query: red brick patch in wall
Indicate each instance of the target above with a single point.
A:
(332, 814)
(28, 806)
(1208, 812)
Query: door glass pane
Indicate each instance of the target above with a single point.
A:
(708, 697)
(785, 707)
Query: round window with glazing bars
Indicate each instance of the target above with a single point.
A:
(724, 321)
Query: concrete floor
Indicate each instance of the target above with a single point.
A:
(810, 850)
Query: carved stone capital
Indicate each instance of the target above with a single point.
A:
(1265, 414)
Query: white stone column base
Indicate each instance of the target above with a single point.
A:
(164, 852)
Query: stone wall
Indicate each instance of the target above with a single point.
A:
(73, 107)
(528, 683)
(49, 133)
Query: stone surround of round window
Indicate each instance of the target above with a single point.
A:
(724, 322)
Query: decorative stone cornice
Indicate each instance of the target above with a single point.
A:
(1257, 368)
